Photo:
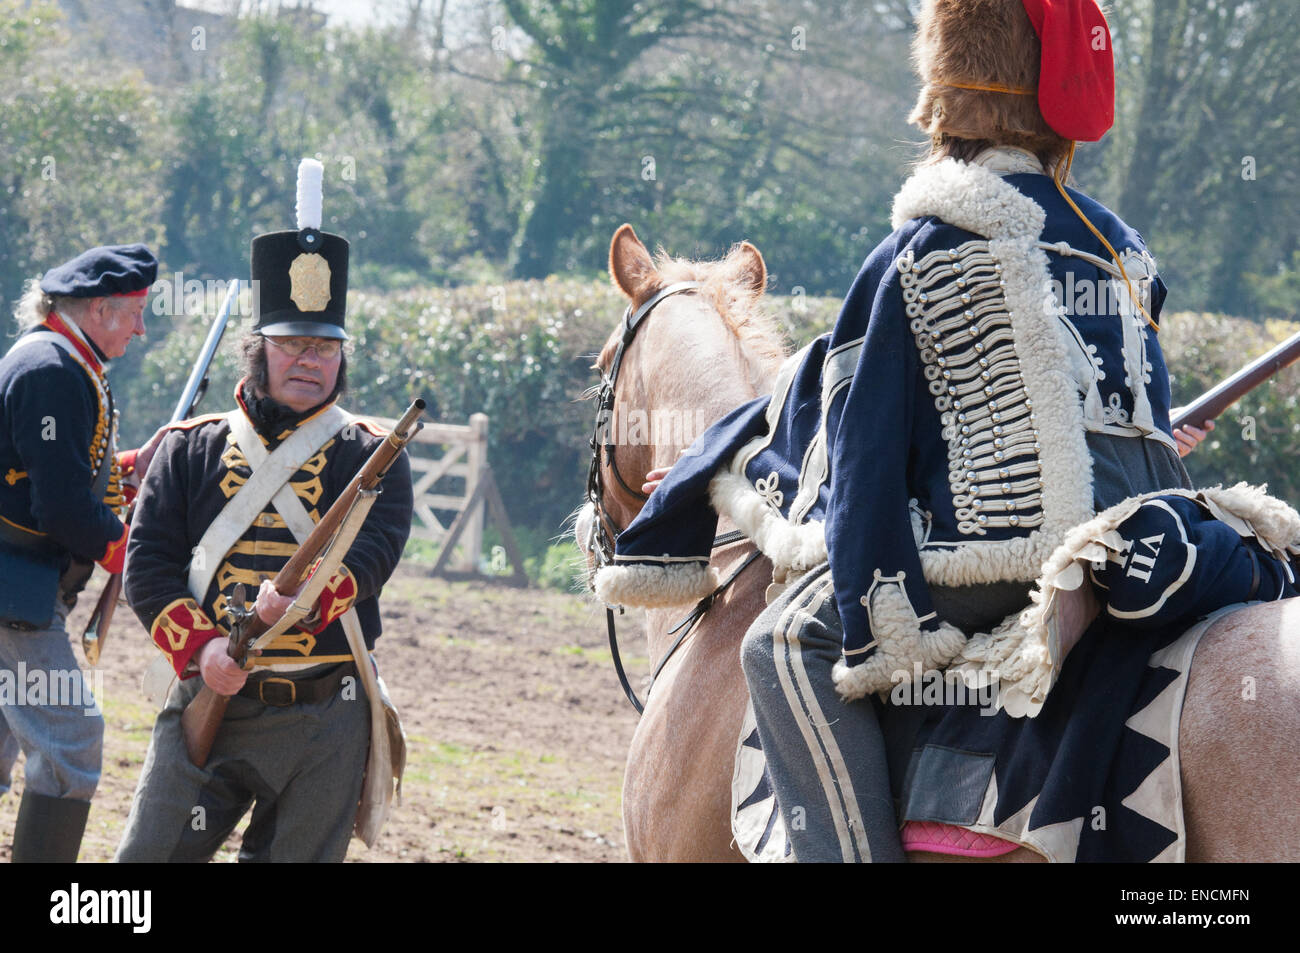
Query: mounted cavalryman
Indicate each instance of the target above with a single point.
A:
(228, 501)
(62, 497)
(974, 472)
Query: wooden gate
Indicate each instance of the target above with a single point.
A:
(446, 453)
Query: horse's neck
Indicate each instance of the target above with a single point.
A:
(695, 373)
(700, 370)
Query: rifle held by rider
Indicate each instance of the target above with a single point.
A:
(1226, 393)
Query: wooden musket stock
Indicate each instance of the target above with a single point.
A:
(1222, 396)
(202, 716)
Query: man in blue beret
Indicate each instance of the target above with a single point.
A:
(63, 491)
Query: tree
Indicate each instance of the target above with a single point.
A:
(78, 166)
(1210, 127)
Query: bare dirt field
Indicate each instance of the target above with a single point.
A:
(516, 727)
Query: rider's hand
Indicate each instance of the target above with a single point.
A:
(1189, 437)
(220, 672)
(654, 478)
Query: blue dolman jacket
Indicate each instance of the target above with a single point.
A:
(940, 435)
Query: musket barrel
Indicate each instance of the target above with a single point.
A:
(185, 406)
(1226, 393)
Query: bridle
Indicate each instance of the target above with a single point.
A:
(600, 539)
(604, 530)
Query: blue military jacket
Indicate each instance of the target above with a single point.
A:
(56, 426)
(937, 436)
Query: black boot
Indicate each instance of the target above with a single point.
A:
(49, 829)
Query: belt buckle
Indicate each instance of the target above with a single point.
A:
(278, 699)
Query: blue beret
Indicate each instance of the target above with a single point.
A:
(102, 272)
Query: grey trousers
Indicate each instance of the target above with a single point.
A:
(825, 756)
(299, 767)
(60, 728)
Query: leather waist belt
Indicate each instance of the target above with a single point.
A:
(283, 692)
(37, 544)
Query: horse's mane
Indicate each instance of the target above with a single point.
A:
(726, 285)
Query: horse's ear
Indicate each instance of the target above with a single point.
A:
(753, 270)
(630, 265)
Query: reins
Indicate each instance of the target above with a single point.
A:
(604, 531)
(687, 625)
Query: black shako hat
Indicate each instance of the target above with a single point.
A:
(301, 276)
(103, 272)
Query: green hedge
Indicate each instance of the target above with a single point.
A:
(522, 354)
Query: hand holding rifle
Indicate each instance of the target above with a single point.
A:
(1189, 437)
(1226, 393)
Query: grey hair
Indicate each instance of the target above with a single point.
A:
(35, 306)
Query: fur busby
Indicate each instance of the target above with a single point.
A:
(980, 42)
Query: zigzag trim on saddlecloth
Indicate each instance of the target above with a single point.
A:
(1155, 798)
(756, 821)
(1157, 795)
(1020, 650)
(655, 587)
(900, 643)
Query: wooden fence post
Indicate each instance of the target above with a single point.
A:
(466, 458)
(476, 457)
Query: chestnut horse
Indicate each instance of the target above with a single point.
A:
(701, 355)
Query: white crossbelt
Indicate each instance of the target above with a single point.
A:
(269, 483)
(387, 759)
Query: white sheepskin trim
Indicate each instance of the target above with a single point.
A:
(975, 199)
(791, 546)
(655, 587)
(900, 644)
(1020, 664)
(970, 197)
(1021, 652)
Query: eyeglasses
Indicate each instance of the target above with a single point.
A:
(325, 348)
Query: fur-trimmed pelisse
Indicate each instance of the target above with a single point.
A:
(1018, 650)
(981, 42)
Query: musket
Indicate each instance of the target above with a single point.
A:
(202, 716)
(1223, 395)
(96, 632)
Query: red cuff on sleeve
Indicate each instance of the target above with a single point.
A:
(335, 599)
(180, 631)
(114, 557)
(126, 460)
